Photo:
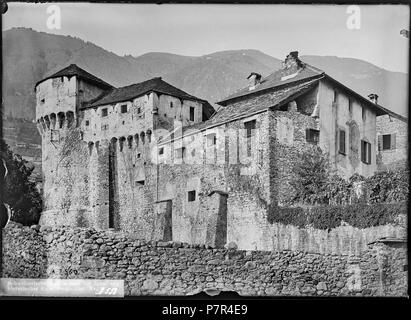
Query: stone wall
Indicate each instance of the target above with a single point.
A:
(397, 155)
(167, 268)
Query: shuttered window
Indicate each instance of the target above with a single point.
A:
(365, 152)
(387, 142)
(341, 141)
(250, 130)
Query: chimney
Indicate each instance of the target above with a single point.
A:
(253, 80)
(373, 97)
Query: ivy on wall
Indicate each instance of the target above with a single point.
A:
(359, 215)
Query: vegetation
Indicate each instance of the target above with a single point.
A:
(18, 191)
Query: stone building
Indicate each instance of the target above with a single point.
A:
(155, 161)
(392, 139)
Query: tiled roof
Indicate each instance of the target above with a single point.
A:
(253, 105)
(74, 70)
(276, 79)
(139, 89)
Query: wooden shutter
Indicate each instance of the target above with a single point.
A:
(393, 141)
(368, 153)
(342, 141)
(362, 150)
(379, 142)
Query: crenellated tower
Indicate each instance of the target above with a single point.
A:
(59, 99)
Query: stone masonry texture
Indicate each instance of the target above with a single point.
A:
(175, 268)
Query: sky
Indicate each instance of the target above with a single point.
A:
(195, 30)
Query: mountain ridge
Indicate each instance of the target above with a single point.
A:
(30, 55)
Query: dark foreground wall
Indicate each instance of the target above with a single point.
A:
(165, 268)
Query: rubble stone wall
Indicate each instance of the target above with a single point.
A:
(174, 268)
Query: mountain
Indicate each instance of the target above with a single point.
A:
(28, 56)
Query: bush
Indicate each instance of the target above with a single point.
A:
(315, 184)
(359, 215)
(388, 186)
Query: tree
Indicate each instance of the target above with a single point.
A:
(310, 177)
(18, 191)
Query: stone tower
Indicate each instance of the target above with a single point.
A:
(65, 156)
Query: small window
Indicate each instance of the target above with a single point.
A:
(139, 183)
(139, 110)
(87, 122)
(312, 136)
(250, 128)
(335, 96)
(341, 141)
(138, 155)
(104, 127)
(211, 139)
(191, 113)
(161, 151)
(365, 152)
(350, 106)
(123, 108)
(104, 112)
(55, 136)
(171, 104)
(387, 142)
(43, 100)
(191, 195)
(363, 113)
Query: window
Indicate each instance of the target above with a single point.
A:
(139, 110)
(123, 108)
(350, 106)
(341, 141)
(312, 135)
(365, 152)
(191, 113)
(55, 136)
(250, 130)
(363, 113)
(335, 96)
(161, 151)
(139, 183)
(249, 127)
(211, 139)
(87, 122)
(43, 100)
(191, 195)
(171, 104)
(104, 112)
(104, 127)
(387, 142)
(180, 152)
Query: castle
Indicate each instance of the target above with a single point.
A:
(156, 161)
